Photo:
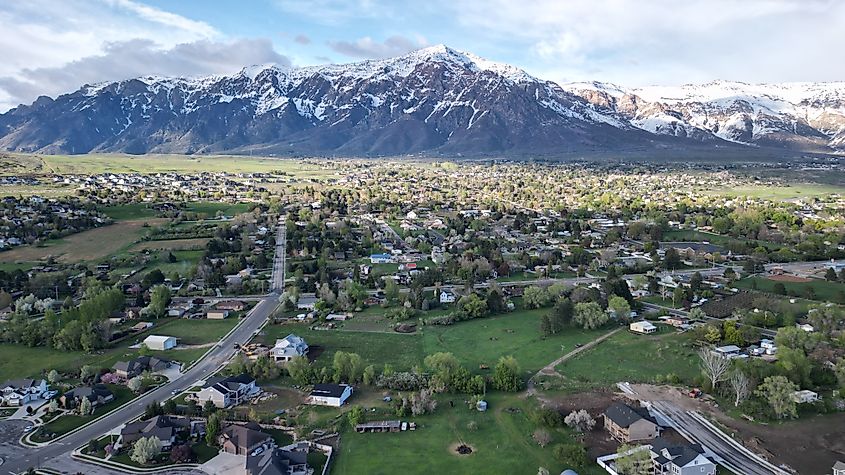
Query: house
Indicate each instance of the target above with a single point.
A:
(19, 392)
(227, 392)
(806, 327)
(447, 296)
(98, 395)
(164, 428)
(130, 369)
(381, 258)
(277, 461)
(160, 343)
(239, 439)
(177, 311)
(330, 394)
(216, 314)
(684, 459)
(728, 351)
(627, 424)
(805, 396)
(288, 348)
(306, 303)
(839, 468)
(768, 346)
(141, 326)
(643, 327)
(231, 305)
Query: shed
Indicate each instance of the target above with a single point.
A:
(159, 342)
(642, 327)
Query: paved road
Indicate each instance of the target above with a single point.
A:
(277, 281)
(50, 455)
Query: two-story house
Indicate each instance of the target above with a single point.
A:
(228, 392)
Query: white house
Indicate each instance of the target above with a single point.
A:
(330, 394)
(669, 459)
(19, 392)
(227, 392)
(381, 258)
(805, 396)
(642, 327)
(447, 296)
(288, 348)
(159, 342)
(306, 303)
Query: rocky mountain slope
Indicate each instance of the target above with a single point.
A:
(431, 101)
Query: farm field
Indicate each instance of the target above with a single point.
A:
(632, 358)
(501, 444)
(89, 245)
(152, 163)
(171, 244)
(475, 342)
(821, 289)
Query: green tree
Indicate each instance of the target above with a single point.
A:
(620, 307)
(369, 375)
(355, 416)
(300, 370)
(545, 325)
(778, 391)
(159, 300)
(572, 455)
(672, 259)
(535, 297)
(212, 429)
(506, 376)
(145, 450)
(830, 274)
(589, 315)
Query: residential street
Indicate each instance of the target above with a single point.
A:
(22, 458)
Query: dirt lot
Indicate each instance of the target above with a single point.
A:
(85, 246)
(810, 445)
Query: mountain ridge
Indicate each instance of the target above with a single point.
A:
(435, 100)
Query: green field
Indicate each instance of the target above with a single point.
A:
(475, 342)
(501, 443)
(824, 290)
(689, 235)
(129, 211)
(781, 192)
(632, 358)
(197, 332)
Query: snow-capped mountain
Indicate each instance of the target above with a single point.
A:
(796, 115)
(434, 100)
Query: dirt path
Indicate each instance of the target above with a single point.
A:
(549, 369)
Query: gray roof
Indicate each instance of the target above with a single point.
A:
(328, 390)
(274, 462)
(679, 454)
(624, 415)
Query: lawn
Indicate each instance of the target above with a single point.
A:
(501, 443)
(130, 211)
(197, 332)
(210, 209)
(632, 358)
(823, 290)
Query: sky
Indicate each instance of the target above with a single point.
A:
(52, 47)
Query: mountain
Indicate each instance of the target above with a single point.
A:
(431, 101)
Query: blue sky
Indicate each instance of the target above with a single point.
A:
(54, 46)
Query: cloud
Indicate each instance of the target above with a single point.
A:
(139, 57)
(368, 48)
(334, 12)
(665, 41)
(302, 39)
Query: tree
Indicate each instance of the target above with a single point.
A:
(93, 446)
(562, 314)
(145, 450)
(369, 375)
(672, 259)
(620, 307)
(580, 420)
(53, 377)
(779, 288)
(695, 282)
(391, 291)
(53, 407)
(830, 274)
(545, 325)
(741, 386)
(159, 300)
(506, 375)
(713, 365)
(778, 391)
(348, 367)
(589, 315)
(208, 408)
(86, 372)
(299, 369)
(181, 453)
(542, 437)
(443, 367)
(633, 460)
(355, 416)
(212, 429)
(85, 407)
(134, 384)
(472, 306)
(535, 297)
(840, 372)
